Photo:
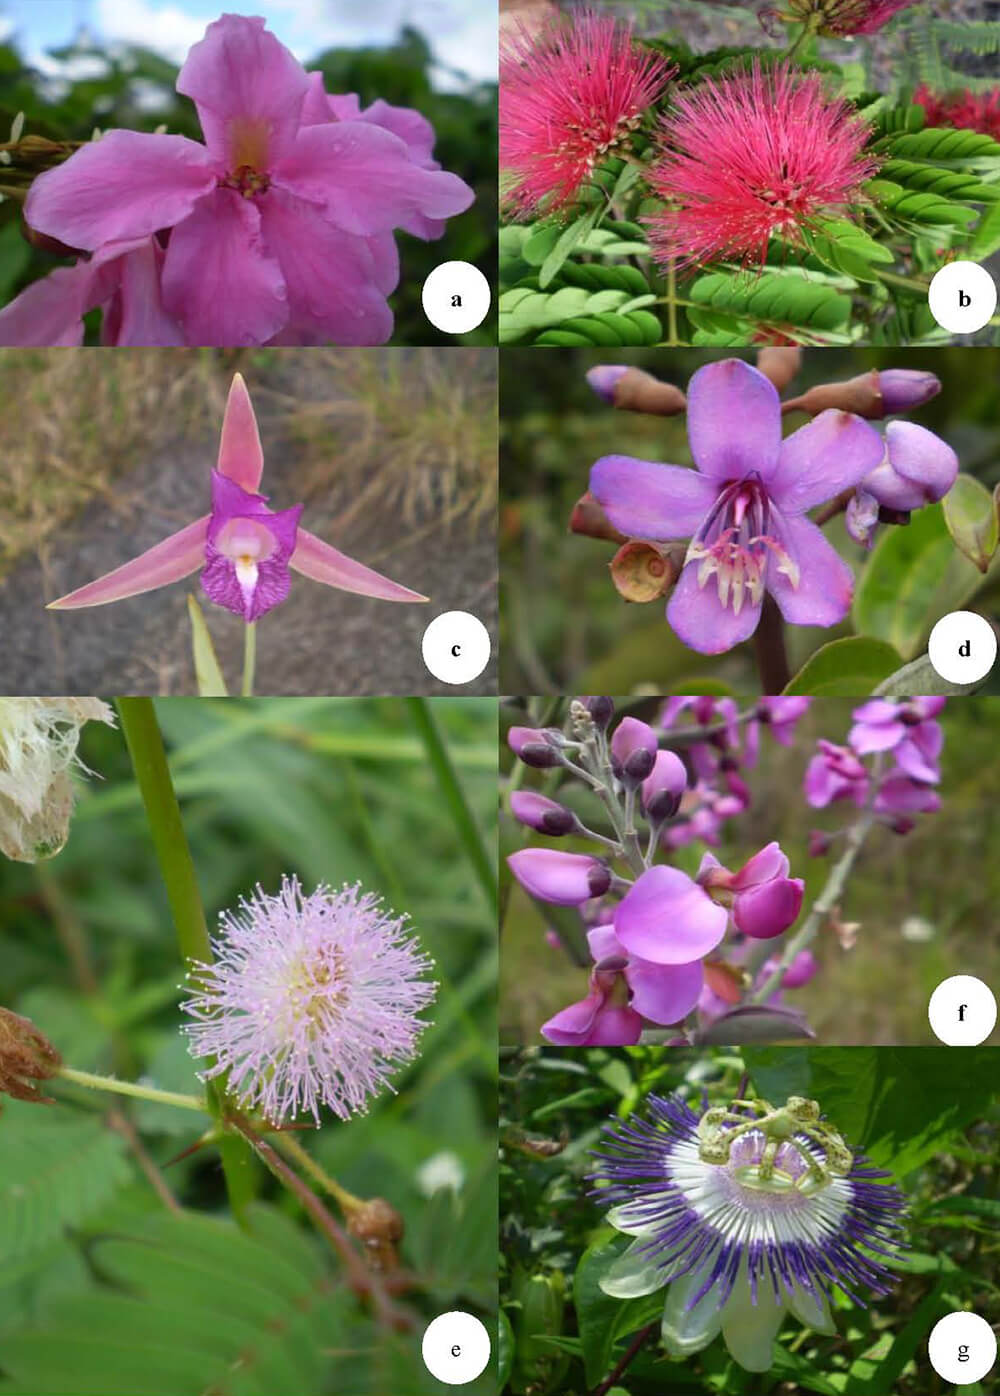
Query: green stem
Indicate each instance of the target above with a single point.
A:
(109, 1083)
(152, 774)
(672, 303)
(802, 38)
(346, 1201)
(249, 658)
(465, 821)
(909, 283)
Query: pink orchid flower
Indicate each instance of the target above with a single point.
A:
(244, 547)
(279, 228)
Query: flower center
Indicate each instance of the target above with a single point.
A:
(246, 181)
(733, 545)
(317, 993)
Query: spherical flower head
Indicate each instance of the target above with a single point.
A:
(570, 95)
(747, 1213)
(760, 154)
(967, 111)
(312, 1000)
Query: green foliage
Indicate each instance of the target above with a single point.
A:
(846, 668)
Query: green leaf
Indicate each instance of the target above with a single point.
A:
(913, 577)
(785, 299)
(208, 674)
(15, 254)
(986, 239)
(565, 245)
(943, 145)
(632, 324)
(505, 1350)
(598, 1314)
(56, 1169)
(970, 514)
(920, 676)
(846, 668)
(846, 248)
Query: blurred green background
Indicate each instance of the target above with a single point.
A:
(564, 628)
(927, 901)
(333, 790)
(136, 91)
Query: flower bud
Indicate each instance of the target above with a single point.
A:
(819, 843)
(780, 364)
(26, 1056)
(919, 468)
(534, 746)
(541, 813)
(664, 787)
(861, 517)
(379, 1228)
(860, 395)
(644, 572)
(905, 388)
(603, 379)
(602, 710)
(801, 970)
(768, 908)
(590, 520)
(566, 879)
(633, 750)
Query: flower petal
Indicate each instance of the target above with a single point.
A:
(364, 179)
(687, 1330)
(571, 1027)
(565, 879)
(248, 89)
(633, 1274)
(316, 559)
(767, 910)
(49, 311)
(769, 863)
(645, 500)
(668, 919)
(922, 458)
(701, 620)
(832, 453)
(825, 582)
(734, 421)
(615, 1026)
(176, 557)
(128, 184)
(749, 1328)
(241, 456)
(330, 276)
(218, 279)
(135, 314)
(664, 993)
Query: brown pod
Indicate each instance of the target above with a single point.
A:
(641, 572)
(780, 365)
(26, 1056)
(590, 519)
(638, 391)
(861, 395)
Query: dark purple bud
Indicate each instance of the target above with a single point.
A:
(603, 378)
(540, 813)
(903, 388)
(602, 710)
(535, 746)
(633, 750)
(663, 789)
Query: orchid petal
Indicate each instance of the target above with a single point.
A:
(248, 89)
(316, 559)
(176, 557)
(218, 280)
(241, 456)
(734, 421)
(128, 184)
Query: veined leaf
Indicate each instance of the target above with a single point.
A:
(773, 297)
(848, 668)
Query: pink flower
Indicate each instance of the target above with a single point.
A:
(842, 18)
(245, 548)
(667, 919)
(633, 750)
(598, 1020)
(835, 773)
(766, 901)
(664, 787)
(750, 157)
(311, 1000)
(280, 225)
(744, 508)
(570, 95)
(566, 879)
(782, 716)
(967, 111)
(905, 728)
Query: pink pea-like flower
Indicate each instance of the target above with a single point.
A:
(753, 156)
(312, 1000)
(569, 96)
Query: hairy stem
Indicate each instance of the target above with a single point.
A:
(291, 1147)
(769, 648)
(249, 658)
(109, 1083)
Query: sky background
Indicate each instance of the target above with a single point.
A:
(462, 33)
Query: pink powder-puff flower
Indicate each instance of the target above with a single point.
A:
(565, 879)
(751, 156)
(244, 547)
(666, 918)
(311, 1001)
(765, 900)
(842, 19)
(744, 507)
(276, 229)
(570, 95)
(835, 773)
(967, 111)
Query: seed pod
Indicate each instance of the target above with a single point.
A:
(642, 572)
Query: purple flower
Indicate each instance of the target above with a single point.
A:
(566, 879)
(742, 1224)
(245, 548)
(744, 508)
(663, 993)
(311, 1000)
(835, 773)
(906, 729)
(917, 468)
(782, 716)
(633, 750)
(766, 901)
(279, 228)
(668, 919)
(541, 813)
(535, 746)
(664, 787)
(599, 1020)
(905, 388)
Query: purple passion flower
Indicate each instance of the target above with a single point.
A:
(312, 1000)
(744, 507)
(746, 1217)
